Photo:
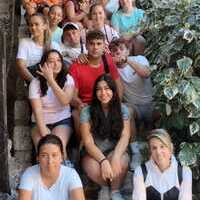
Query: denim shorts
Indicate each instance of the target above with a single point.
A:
(64, 122)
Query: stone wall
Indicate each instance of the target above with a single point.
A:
(19, 144)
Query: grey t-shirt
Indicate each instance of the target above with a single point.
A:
(137, 90)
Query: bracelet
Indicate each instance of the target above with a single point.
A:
(101, 161)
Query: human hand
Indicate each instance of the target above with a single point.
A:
(116, 166)
(82, 59)
(119, 60)
(106, 49)
(106, 171)
(46, 71)
(81, 105)
(45, 131)
(85, 6)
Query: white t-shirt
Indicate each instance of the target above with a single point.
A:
(31, 52)
(162, 181)
(71, 53)
(110, 33)
(60, 190)
(53, 110)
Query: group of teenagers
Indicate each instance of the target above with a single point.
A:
(88, 76)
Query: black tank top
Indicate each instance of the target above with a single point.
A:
(172, 194)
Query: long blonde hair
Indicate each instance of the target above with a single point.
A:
(47, 32)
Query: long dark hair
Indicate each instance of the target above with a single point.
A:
(110, 125)
(60, 78)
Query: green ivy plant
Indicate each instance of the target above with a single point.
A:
(172, 31)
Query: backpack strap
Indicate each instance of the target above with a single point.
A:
(105, 64)
(144, 171)
(81, 42)
(180, 173)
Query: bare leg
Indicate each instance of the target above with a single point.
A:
(63, 132)
(117, 182)
(36, 136)
(132, 123)
(92, 170)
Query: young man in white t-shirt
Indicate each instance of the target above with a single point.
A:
(72, 44)
(135, 74)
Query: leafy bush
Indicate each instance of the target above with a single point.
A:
(172, 31)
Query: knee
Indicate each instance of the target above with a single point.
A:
(125, 162)
(90, 167)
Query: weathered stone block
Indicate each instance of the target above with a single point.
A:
(22, 112)
(22, 138)
(23, 158)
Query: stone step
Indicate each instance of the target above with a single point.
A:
(22, 138)
(22, 113)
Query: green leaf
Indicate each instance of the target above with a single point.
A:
(187, 155)
(195, 82)
(194, 128)
(183, 86)
(170, 92)
(184, 64)
(171, 20)
(168, 109)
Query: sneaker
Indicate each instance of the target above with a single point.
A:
(68, 163)
(104, 193)
(116, 196)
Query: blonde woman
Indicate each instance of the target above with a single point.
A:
(162, 177)
(31, 49)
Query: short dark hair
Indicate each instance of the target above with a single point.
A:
(50, 139)
(95, 35)
(116, 43)
(69, 27)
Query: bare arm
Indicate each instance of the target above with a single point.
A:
(25, 195)
(140, 69)
(77, 194)
(76, 101)
(95, 152)
(70, 12)
(36, 105)
(120, 87)
(64, 96)
(123, 141)
(22, 70)
(88, 142)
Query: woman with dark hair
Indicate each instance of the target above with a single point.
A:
(50, 95)
(162, 177)
(105, 131)
(49, 179)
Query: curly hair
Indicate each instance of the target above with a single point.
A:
(60, 78)
(106, 125)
